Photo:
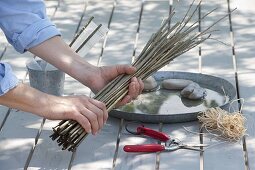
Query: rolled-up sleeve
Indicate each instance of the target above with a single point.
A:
(7, 79)
(25, 23)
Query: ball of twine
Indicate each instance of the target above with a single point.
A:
(223, 124)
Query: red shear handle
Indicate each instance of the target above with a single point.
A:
(152, 133)
(144, 148)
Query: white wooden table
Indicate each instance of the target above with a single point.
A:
(24, 137)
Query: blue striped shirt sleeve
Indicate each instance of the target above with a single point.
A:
(25, 23)
(7, 79)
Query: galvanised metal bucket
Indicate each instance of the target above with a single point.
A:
(50, 81)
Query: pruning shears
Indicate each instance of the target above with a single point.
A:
(169, 144)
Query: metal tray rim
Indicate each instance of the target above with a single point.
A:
(180, 117)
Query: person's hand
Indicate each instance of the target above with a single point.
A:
(89, 113)
(65, 59)
(107, 73)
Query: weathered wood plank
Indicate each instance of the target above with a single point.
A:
(15, 59)
(3, 47)
(244, 36)
(101, 12)
(47, 154)
(17, 139)
(217, 60)
(51, 7)
(66, 19)
(106, 142)
(247, 87)
(3, 43)
(18, 132)
(121, 37)
(3, 111)
(119, 50)
(151, 23)
(182, 159)
(96, 152)
(188, 61)
(18, 61)
(20, 129)
(152, 15)
(139, 161)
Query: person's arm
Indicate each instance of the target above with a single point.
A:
(27, 27)
(59, 54)
(91, 114)
(25, 23)
(56, 52)
(7, 79)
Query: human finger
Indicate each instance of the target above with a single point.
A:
(121, 69)
(141, 86)
(84, 122)
(125, 100)
(133, 89)
(98, 112)
(102, 107)
(92, 117)
(137, 87)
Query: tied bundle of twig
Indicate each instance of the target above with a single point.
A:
(222, 124)
(164, 45)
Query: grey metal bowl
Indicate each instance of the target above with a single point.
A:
(211, 82)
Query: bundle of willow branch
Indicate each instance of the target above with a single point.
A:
(164, 45)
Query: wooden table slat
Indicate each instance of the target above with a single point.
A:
(244, 36)
(17, 138)
(189, 61)
(3, 43)
(139, 161)
(182, 159)
(47, 153)
(3, 112)
(57, 158)
(121, 37)
(91, 152)
(18, 134)
(217, 60)
(97, 152)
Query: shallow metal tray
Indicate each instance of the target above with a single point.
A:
(172, 114)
